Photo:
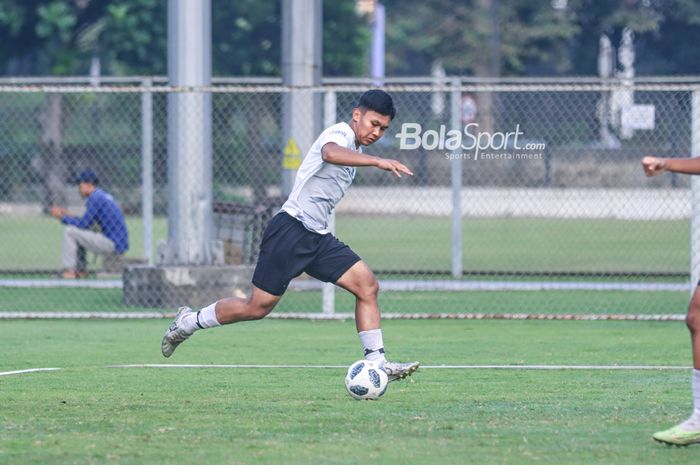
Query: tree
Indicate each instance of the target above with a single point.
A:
(61, 37)
(666, 49)
(595, 18)
(534, 38)
(130, 37)
(346, 40)
(247, 39)
(52, 25)
(478, 37)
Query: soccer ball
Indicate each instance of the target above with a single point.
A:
(365, 380)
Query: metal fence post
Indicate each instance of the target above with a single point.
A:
(695, 195)
(455, 123)
(147, 170)
(329, 119)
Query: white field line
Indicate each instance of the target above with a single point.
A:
(424, 367)
(29, 370)
(428, 367)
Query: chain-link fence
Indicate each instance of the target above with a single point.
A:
(528, 196)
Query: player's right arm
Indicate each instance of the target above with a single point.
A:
(654, 165)
(334, 153)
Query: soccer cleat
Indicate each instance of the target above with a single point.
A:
(678, 437)
(396, 370)
(176, 334)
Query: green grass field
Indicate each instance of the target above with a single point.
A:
(91, 413)
(554, 302)
(418, 243)
(32, 243)
(422, 243)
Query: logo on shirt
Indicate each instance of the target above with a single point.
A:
(338, 131)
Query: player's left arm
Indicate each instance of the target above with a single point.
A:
(337, 155)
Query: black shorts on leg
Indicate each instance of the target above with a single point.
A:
(288, 249)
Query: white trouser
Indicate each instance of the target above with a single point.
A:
(75, 238)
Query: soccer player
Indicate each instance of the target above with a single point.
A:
(687, 432)
(297, 239)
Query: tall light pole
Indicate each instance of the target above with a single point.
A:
(301, 71)
(190, 217)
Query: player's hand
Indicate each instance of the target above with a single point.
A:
(653, 166)
(394, 166)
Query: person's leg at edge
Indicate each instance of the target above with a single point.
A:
(688, 432)
(692, 320)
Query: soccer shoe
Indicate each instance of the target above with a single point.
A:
(678, 437)
(396, 370)
(176, 334)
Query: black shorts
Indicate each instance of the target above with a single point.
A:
(288, 249)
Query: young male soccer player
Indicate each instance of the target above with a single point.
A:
(297, 239)
(687, 432)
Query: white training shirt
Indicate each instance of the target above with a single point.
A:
(319, 185)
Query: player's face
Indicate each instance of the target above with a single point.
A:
(369, 125)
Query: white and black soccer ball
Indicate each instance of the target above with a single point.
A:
(365, 380)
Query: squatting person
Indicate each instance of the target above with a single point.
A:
(103, 211)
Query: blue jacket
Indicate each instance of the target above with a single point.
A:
(103, 210)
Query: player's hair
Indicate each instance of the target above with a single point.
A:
(379, 101)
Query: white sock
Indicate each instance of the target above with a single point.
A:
(696, 395)
(205, 318)
(693, 423)
(373, 344)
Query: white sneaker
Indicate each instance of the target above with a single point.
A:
(176, 334)
(684, 434)
(396, 370)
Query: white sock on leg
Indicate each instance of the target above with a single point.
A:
(205, 318)
(373, 345)
(696, 395)
(693, 423)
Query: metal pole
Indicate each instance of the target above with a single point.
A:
(301, 69)
(378, 49)
(455, 123)
(190, 216)
(147, 171)
(329, 119)
(695, 196)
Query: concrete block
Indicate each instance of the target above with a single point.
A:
(170, 287)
